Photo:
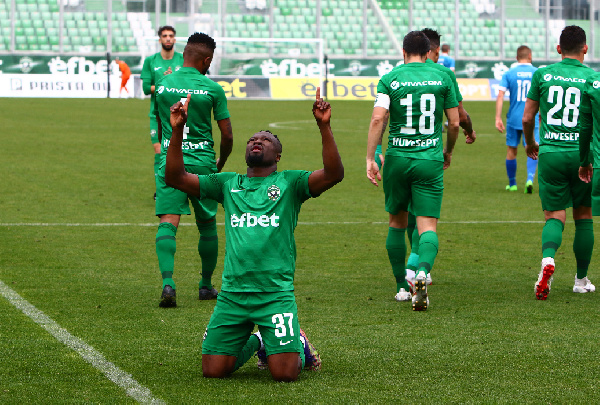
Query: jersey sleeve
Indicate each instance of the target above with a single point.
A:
(534, 90)
(299, 180)
(450, 99)
(211, 185)
(382, 87)
(459, 97)
(146, 76)
(220, 110)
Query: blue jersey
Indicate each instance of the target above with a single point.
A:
(447, 61)
(517, 82)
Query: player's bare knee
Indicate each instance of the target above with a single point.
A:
(285, 375)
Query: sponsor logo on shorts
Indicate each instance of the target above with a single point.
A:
(249, 221)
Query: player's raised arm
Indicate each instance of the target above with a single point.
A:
(175, 174)
(333, 169)
(531, 109)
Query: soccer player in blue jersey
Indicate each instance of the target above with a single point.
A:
(517, 82)
(445, 58)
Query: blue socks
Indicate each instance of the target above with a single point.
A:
(531, 168)
(511, 171)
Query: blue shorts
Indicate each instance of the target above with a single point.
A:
(513, 136)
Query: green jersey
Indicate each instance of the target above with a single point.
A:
(416, 96)
(590, 122)
(558, 88)
(207, 96)
(261, 214)
(450, 74)
(154, 70)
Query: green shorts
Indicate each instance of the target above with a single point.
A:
(153, 130)
(560, 186)
(234, 317)
(172, 201)
(414, 183)
(596, 193)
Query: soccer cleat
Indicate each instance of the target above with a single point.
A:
(583, 285)
(206, 293)
(312, 360)
(420, 300)
(542, 285)
(529, 187)
(403, 295)
(511, 188)
(167, 299)
(429, 281)
(410, 277)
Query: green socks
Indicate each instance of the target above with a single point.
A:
(552, 237)
(583, 245)
(396, 248)
(208, 248)
(251, 347)
(156, 163)
(428, 249)
(165, 250)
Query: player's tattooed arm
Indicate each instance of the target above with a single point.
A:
(466, 124)
(333, 169)
(226, 142)
(451, 135)
(175, 174)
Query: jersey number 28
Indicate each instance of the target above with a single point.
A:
(570, 99)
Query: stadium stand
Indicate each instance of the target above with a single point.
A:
(85, 24)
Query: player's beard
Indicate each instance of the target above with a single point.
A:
(255, 160)
(167, 47)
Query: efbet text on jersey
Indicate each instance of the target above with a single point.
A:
(252, 220)
(422, 143)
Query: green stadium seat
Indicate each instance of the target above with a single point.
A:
(45, 47)
(22, 47)
(40, 32)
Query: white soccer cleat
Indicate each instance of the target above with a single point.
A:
(410, 276)
(420, 300)
(583, 285)
(429, 282)
(403, 295)
(542, 285)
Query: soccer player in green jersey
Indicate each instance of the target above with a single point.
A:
(155, 68)
(556, 91)
(416, 96)
(261, 211)
(199, 158)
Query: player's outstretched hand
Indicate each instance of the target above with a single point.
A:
(532, 150)
(470, 138)
(321, 109)
(585, 173)
(179, 113)
(373, 173)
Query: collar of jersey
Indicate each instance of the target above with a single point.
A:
(253, 183)
(571, 61)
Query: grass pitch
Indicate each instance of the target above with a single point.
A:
(77, 232)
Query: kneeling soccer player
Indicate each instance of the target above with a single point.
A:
(262, 209)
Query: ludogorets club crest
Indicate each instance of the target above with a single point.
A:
(273, 193)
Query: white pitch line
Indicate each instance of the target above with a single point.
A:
(87, 352)
(48, 224)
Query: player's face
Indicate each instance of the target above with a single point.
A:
(167, 40)
(261, 150)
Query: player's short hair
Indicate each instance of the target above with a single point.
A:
(279, 145)
(416, 43)
(445, 48)
(202, 39)
(572, 39)
(166, 28)
(434, 37)
(523, 52)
